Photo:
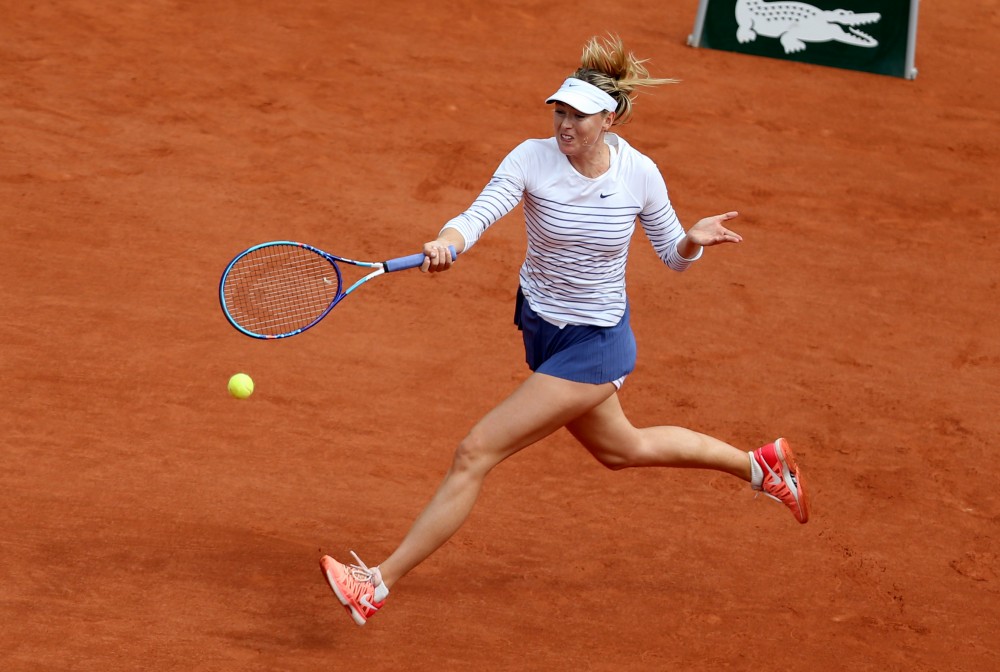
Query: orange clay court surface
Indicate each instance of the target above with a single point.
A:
(151, 522)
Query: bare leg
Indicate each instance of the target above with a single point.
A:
(615, 442)
(540, 406)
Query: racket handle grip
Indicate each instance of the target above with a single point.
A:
(411, 261)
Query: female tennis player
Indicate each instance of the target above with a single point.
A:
(583, 189)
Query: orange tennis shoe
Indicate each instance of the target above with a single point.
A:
(354, 586)
(782, 481)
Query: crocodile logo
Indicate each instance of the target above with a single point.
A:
(795, 23)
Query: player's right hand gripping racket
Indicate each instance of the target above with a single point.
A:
(280, 289)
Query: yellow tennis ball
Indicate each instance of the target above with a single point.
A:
(241, 386)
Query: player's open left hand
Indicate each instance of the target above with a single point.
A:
(714, 231)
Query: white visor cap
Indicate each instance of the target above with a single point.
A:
(583, 96)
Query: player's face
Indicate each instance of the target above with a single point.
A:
(576, 132)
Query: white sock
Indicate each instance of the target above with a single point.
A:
(756, 473)
(381, 590)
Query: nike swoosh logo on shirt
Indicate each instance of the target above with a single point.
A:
(611, 194)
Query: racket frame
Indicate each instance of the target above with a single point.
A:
(381, 268)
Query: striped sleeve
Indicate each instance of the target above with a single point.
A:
(501, 195)
(661, 224)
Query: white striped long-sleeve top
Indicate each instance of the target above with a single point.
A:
(578, 228)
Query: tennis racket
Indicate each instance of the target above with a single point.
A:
(280, 289)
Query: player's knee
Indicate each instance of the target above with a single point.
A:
(472, 456)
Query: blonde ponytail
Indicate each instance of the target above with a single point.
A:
(607, 65)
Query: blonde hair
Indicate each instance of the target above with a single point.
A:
(607, 65)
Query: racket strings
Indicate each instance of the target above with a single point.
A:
(279, 289)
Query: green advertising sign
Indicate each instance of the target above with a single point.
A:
(876, 36)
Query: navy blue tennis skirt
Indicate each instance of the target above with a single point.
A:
(581, 353)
